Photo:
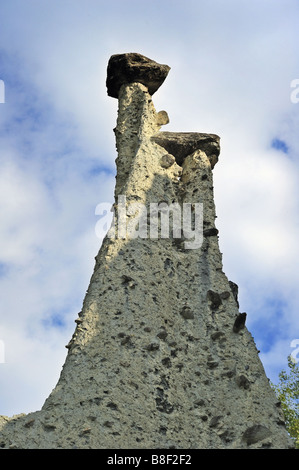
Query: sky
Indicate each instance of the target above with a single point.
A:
(234, 72)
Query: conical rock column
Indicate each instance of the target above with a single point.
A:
(161, 357)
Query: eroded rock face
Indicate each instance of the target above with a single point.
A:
(133, 67)
(159, 357)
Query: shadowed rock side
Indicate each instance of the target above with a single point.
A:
(160, 357)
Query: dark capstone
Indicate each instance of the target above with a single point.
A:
(182, 144)
(239, 322)
(133, 67)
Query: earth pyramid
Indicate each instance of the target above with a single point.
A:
(161, 356)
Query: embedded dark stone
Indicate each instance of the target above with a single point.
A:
(167, 160)
(218, 335)
(199, 402)
(125, 340)
(127, 280)
(162, 334)
(215, 299)
(187, 313)
(226, 436)
(161, 402)
(166, 362)
(163, 430)
(225, 295)
(29, 423)
(239, 322)
(112, 406)
(255, 433)
(215, 421)
(152, 346)
(210, 232)
(234, 289)
(212, 364)
(133, 67)
(243, 382)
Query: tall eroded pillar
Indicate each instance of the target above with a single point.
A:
(161, 356)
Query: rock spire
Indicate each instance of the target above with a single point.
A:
(161, 356)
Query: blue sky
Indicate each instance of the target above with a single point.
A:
(232, 64)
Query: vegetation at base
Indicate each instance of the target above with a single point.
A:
(287, 392)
